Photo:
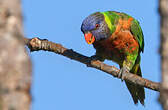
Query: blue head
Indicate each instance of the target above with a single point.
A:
(95, 28)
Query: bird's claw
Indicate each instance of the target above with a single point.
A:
(123, 71)
(94, 57)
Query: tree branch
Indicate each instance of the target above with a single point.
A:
(36, 44)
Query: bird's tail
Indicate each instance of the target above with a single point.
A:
(137, 92)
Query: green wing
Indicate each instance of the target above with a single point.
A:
(111, 17)
(138, 34)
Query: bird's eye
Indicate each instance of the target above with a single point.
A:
(97, 25)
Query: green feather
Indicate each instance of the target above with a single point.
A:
(138, 34)
(111, 18)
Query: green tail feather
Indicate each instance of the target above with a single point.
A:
(137, 92)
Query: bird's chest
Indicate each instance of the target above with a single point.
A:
(117, 46)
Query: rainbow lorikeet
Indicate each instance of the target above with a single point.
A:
(117, 37)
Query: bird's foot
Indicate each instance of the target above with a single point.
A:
(94, 58)
(123, 71)
(91, 59)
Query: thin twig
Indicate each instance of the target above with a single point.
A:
(36, 44)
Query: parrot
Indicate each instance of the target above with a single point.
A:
(118, 37)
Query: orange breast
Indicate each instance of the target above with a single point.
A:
(119, 44)
(124, 41)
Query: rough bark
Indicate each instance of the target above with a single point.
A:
(164, 52)
(36, 44)
(15, 65)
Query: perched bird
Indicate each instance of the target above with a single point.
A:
(118, 37)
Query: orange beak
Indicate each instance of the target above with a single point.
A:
(89, 38)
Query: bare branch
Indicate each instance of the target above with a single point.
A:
(36, 44)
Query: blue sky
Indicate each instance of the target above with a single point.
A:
(63, 84)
